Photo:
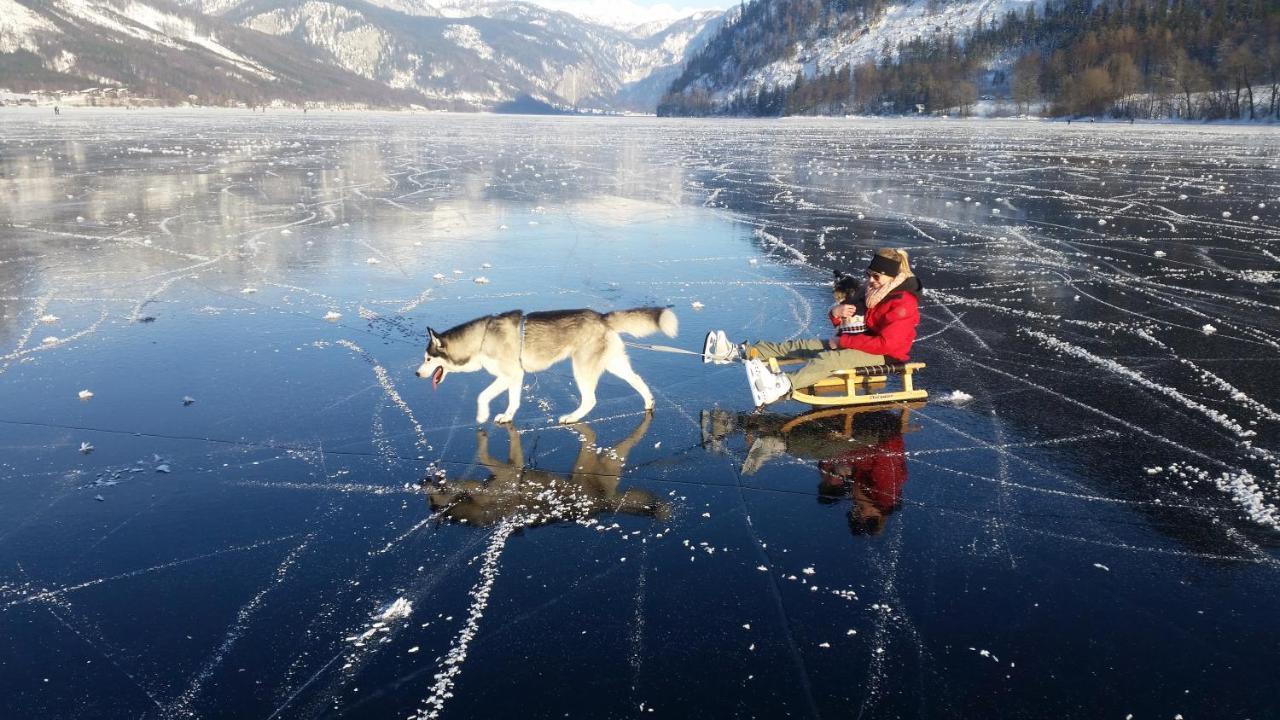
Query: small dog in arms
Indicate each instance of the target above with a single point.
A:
(514, 343)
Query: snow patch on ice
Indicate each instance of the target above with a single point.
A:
(398, 609)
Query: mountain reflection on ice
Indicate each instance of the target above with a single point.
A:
(226, 494)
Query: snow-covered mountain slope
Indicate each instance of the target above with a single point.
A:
(159, 51)
(900, 23)
(825, 43)
(482, 53)
(637, 20)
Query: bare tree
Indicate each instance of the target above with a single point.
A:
(1242, 66)
(1187, 74)
(1271, 59)
(1026, 81)
(966, 94)
(1125, 80)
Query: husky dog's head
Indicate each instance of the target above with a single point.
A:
(436, 362)
(454, 350)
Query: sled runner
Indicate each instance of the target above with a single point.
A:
(849, 413)
(859, 386)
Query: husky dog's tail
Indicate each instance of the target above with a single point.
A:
(639, 322)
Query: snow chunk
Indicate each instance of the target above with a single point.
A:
(332, 315)
(1208, 329)
(399, 609)
(85, 395)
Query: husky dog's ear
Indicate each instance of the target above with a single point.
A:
(433, 340)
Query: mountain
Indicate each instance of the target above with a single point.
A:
(459, 54)
(167, 53)
(1193, 59)
(483, 53)
(774, 42)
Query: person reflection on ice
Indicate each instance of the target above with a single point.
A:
(860, 453)
(873, 477)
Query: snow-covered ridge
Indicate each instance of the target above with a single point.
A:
(468, 37)
(484, 52)
(465, 53)
(637, 21)
(19, 27)
(901, 22)
(345, 34)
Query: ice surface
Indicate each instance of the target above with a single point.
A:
(1089, 523)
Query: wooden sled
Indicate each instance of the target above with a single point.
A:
(849, 412)
(842, 387)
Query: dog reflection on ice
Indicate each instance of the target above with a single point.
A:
(541, 496)
(859, 453)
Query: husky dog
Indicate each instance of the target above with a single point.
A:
(514, 343)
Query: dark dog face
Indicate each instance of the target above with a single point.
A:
(846, 285)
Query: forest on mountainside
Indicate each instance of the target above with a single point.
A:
(1190, 59)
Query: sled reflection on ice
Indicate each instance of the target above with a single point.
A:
(859, 453)
(541, 497)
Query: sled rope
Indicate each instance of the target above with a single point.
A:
(661, 348)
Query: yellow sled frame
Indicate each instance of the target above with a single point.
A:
(850, 412)
(842, 387)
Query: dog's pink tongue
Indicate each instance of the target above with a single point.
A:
(436, 377)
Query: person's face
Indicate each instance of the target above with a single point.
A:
(877, 280)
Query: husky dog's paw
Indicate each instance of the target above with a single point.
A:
(648, 404)
(502, 418)
(482, 416)
(570, 419)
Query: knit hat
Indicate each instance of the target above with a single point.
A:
(884, 265)
(890, 262)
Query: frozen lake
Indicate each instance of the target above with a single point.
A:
(1082, 521)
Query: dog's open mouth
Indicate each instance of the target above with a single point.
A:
(437, 376)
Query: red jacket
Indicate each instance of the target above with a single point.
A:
(880, 470)
(891, 327)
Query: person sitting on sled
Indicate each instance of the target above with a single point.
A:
(890, 297)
